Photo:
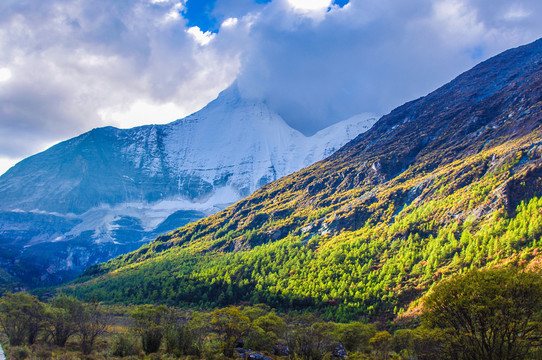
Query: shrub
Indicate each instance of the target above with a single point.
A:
(21, 317)
(230, 324)
(148, 324)
(355, 335)
(20, 353)
(490, 314)
(124, 345)
(62, 313)
(92, 323)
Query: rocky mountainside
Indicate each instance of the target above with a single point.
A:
(444, 183)
(110, 190)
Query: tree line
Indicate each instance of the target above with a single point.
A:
(375, 270)
(23, 318)
(490, 314)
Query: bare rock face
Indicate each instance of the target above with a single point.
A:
(108, 191)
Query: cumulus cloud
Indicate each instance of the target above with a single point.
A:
(373, 55)
(67, 66)
(315, 9)
(202, 38)
(5, 74)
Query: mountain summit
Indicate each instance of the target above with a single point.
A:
(442, 184)
(110, 190)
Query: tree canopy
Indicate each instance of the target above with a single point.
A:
(491, 314)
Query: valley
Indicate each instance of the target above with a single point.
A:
(229, 234)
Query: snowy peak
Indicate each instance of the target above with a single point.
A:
(234, 143)
(119, 188)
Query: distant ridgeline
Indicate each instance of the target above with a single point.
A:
(442, 184)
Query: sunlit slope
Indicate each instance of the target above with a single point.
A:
(443, 183)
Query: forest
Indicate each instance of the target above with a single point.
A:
(481, 314)
(376, 270)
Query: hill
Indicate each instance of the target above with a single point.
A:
(442, 184)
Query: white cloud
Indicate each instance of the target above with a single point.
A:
(230, 22)
(77, 65)
(372, 55)
(202, 38)
(310, 5)
(5, 74)
(72, 65)
(141, 112)
(515, 13)
(6, 163)
(175, 12)
(315, 10)
(455, 21)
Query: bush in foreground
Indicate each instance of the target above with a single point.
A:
(490, 314)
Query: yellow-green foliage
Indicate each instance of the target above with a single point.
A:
(364, 250)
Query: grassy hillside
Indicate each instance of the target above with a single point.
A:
(441, 184)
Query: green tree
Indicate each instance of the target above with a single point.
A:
(491, 314)
(185, 336)
(355, 335)
(257, 339)
(381, 343)
(231, 325)
(92, 322)
(421, 343)
(62, 313)
(265, 331)
(124, 345)
(21, 317)
(310, 339)
(403, 343)
(148, 323)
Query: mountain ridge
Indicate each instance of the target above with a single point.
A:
(110, 190)
(443, 183)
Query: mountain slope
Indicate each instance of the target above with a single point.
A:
(441, 184)
(110, 190)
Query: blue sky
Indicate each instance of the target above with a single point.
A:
(201, 13)
(67, 66)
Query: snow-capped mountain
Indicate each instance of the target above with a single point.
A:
(109, 190)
